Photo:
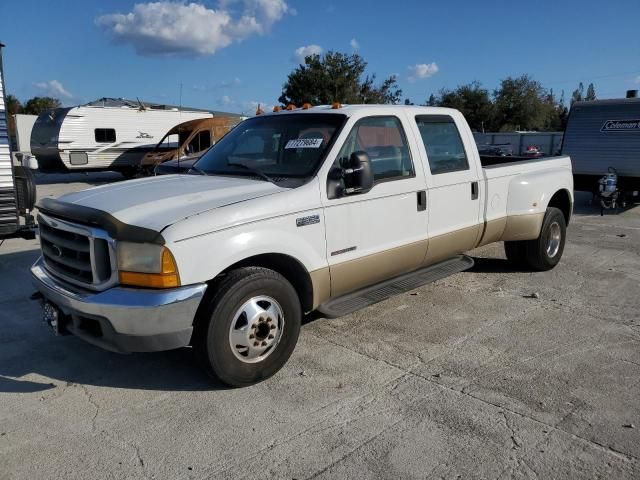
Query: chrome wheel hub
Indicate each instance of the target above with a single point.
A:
(256, 329)
(553, 240)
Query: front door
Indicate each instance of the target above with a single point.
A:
(382, 233)
(454, 208)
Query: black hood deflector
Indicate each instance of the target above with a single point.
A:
(98, 218)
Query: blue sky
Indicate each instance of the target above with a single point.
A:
(231, 54)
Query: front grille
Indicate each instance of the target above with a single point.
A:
(81, 255)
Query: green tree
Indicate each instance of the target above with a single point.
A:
(591, 93)
(37, 105)
(432, 101)
(555, 112)
(521, 104)
(562, 113)
(337, 77)
(578, 94)
(13, 105)
(473, 101)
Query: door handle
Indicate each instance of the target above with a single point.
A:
(422, 200)
(474, 190)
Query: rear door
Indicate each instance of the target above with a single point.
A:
(453, 187)
(382, 233)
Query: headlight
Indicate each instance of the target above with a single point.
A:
(146, 265)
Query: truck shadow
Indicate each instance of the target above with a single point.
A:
(494, 265)
(68, 361)
(32, 359)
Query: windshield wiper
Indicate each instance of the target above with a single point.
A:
(262, 175)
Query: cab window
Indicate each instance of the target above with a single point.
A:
(445, 151)
(383, 139)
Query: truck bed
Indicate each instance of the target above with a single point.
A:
(490, 160)
(504, 166)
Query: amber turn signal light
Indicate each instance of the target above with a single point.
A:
(167, 278)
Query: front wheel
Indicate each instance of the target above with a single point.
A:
(249, 326)
(545, 252)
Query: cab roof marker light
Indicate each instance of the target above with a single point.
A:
(306, 106)
(336, 105)
(291, 106)
(277, 108)
(259, 110)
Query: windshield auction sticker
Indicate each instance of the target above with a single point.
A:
(621, 126)
(304, 143)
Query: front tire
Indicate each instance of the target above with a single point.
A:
(545, 252)
(248, 327)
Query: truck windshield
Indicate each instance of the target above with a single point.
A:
(273, 146)
(172, 140)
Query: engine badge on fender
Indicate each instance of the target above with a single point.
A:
(310, 220)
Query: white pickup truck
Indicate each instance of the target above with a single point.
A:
(327, 208)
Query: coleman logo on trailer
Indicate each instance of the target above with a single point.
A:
(620, 126)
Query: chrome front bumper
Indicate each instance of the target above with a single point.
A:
(123, 319)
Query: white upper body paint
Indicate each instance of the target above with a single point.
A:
(212, 222)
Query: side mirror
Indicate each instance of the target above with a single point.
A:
(358, 174)
(352, 175)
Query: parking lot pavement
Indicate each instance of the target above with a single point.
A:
(468, 377)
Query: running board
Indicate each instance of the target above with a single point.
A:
(357, 300)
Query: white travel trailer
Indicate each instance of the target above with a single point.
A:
(108, 134)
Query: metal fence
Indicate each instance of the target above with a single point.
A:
(547, 142)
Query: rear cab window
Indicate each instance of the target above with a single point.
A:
(443, 143)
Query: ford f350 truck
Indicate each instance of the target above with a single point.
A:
(328, 208)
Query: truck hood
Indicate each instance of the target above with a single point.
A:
(158, 202)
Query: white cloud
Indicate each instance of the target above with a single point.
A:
(303, 52)
(226, 101)
(420, 71)
(354, 44)
(251, 107)
(53, 88)
(203, 87)
(229, 83)
(247, 108)
(177, 28)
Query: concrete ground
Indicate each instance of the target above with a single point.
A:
(469, 377)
